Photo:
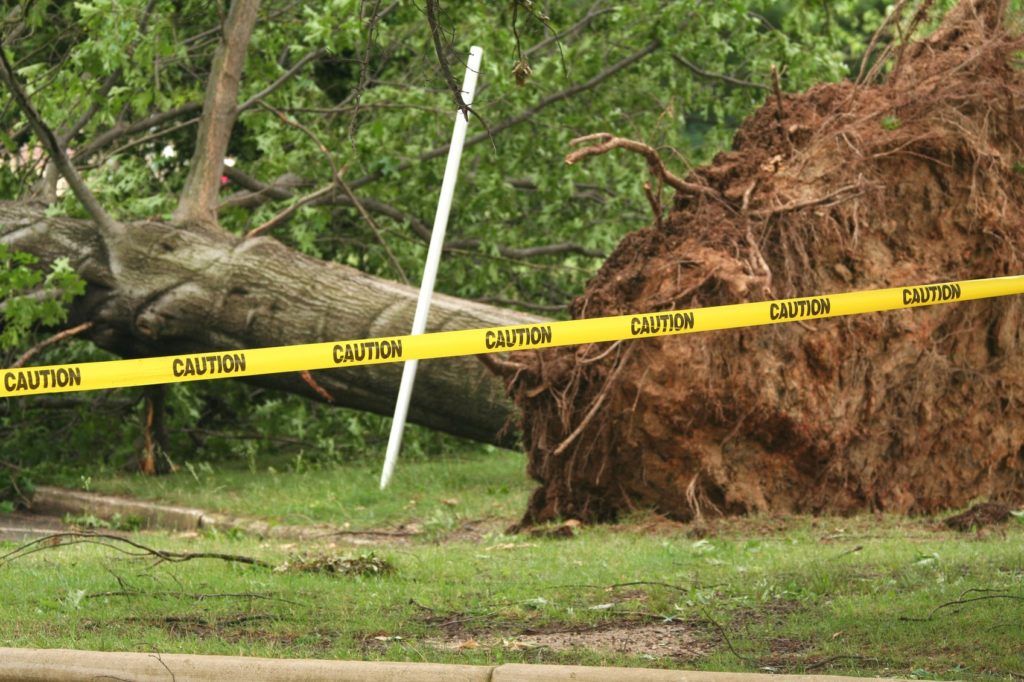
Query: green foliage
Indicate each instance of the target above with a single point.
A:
(30, 297)
(891, 123)
(130, 523)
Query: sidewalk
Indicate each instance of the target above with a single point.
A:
(38, 665)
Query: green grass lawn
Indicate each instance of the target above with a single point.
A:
(868, 595)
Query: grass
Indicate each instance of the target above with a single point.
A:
(861, 596)
(437, 493)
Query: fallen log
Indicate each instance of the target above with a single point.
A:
(158, 289)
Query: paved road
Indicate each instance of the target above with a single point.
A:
(20, 526)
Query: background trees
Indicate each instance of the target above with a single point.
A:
(355, 89)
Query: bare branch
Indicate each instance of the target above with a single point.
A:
(512, 303)
(717, 76)
(433, 20)
(108, 226)
(285, 215)
(198, 202)
(281, 80)
(560, 37)
(86, 151)
(45, 343)
(654, 162)
(323, 195)
(530, 251)
(329, 195)
(525, 115)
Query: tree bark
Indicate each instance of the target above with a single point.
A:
(158, 289)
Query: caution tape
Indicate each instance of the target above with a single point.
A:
(256, 361)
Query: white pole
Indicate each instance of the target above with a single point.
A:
(419, 323)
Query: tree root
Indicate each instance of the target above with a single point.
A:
(654, 162)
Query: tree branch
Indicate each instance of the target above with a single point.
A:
(330, 196)
(717, 76)
(525, 115)
(108, 226)
(45, 343)
(198, 202)
(433, 20)
(654, 162)
(320, 195)
(86, 151)
(281, 80)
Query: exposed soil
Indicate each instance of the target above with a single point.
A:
(915, 180)
(659, 640)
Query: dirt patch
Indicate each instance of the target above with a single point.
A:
(659, 640)
(234, 628)
(916, 180)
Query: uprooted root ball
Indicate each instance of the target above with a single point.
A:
(845, 187)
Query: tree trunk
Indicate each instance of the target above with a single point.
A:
(157, 289)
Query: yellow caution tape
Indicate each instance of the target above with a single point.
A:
(255, 361)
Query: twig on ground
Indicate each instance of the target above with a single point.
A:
(961, 602)
(652, 583)
(197, 596)
(725, 638)
(127, 546)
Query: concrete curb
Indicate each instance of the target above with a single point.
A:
(42, 665)
(60, 501)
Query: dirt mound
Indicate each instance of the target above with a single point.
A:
(844, 187)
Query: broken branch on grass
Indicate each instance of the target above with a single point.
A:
(123, 545)
(654, 162)
(961, 602)
(196, 596)
(45, 343)
(725, 637)
(843, 657)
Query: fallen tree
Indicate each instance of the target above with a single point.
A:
(158, 289)
(188, 285)
(847, 186)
